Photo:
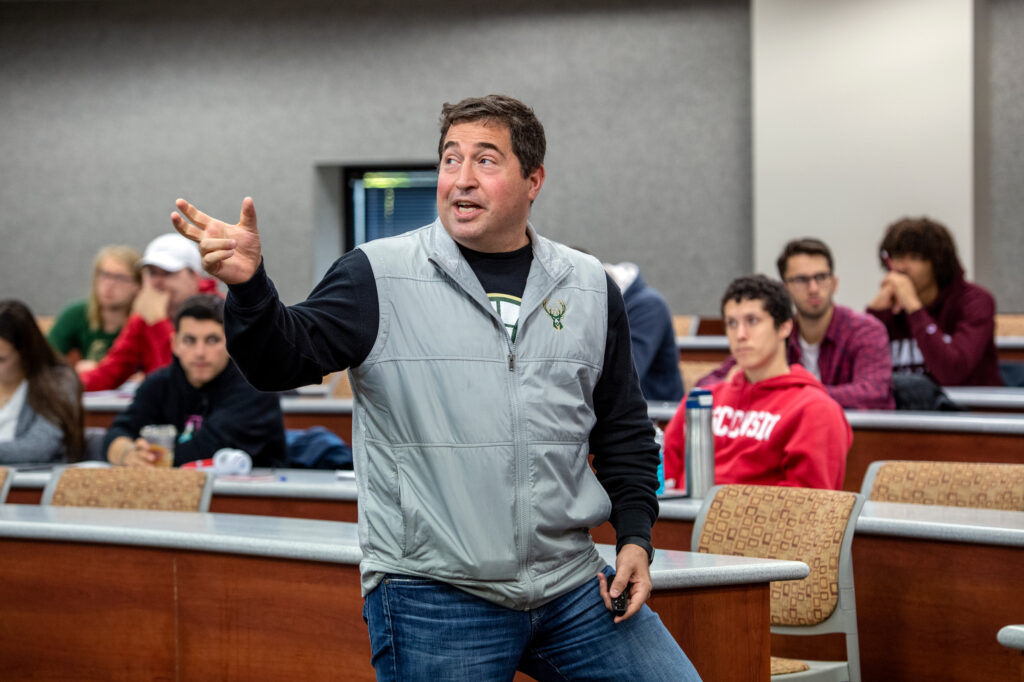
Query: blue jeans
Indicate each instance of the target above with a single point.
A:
(426, 630)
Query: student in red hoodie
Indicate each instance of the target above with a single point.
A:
(171, 272)
(773, 423)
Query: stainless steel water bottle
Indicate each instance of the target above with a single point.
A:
(700, 444)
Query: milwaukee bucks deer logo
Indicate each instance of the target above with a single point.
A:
(555, 313)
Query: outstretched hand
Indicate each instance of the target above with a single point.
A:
(231, 253)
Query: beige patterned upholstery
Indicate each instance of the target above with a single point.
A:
(6, 476)
(952, 484)
(797, 524)
(130, 488)
(784, 666)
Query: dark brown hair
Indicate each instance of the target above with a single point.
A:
(808, 246)
(525, 131)
(771, 293)
(201, 307)
(54, 391)
(927, 238)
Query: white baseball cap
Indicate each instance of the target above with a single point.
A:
(172, 252)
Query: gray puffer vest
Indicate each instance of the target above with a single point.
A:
(472, 450)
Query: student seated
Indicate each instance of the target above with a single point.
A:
(87, 328)
(773, 423)
(651, 335)
(171, 272)
(203, 395)
(40, 398)
(939, 324)
(845, 350)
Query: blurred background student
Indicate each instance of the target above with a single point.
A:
(40, 398)
(85, 330)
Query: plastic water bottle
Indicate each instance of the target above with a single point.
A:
(700, 443)
(659, 438)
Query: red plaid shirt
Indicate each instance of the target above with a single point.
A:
(854, 361)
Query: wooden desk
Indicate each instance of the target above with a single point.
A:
(934, 585)
(716, 347)
(939, 436)
(119, 595)
(988, 398)
(703, 348)
(291, 493)
(299, 412)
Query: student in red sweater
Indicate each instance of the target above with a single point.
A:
(171, 272)
(773, 423)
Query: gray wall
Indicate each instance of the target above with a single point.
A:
(110, 111)
(999, 250)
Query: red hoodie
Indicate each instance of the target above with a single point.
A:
(140, 347)
(781, 431)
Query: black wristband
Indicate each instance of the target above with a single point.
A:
(639, 541)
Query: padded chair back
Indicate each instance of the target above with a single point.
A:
(684, 325)
(130, 488)
(798, 524)
(952, 484)
(6, 477)
(695, 370)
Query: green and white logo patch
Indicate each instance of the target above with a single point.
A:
(507, 308)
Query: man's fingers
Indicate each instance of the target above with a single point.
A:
(185, 228)
(603, 587)
(637, 598)
(210, 260)
(193, 213)
(247, 217)
(214, 244)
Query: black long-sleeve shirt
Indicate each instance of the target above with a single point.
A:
(280, 347)
(225, 412)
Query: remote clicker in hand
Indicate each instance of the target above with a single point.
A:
(620, 603)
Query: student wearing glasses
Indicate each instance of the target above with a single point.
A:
(845, 350)
(85, 330)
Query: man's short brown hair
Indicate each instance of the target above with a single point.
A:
(808, 246)
(525, 131)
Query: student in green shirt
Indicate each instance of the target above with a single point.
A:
(85, 330)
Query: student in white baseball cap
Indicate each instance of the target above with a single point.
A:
(171, 252)
(171, 272)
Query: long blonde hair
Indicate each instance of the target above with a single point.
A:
(126, 256)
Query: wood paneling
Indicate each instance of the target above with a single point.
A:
(104, 612)
(291, 507)
(870, 445)
(87, 611)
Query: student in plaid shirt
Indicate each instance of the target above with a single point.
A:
(847, 351)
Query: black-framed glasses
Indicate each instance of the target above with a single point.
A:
(805, 280)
